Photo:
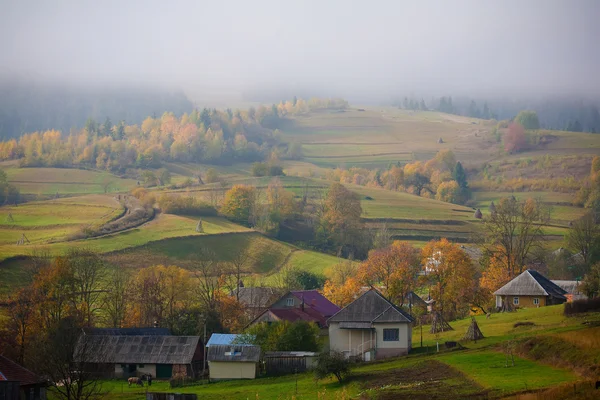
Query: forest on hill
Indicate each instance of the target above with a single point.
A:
(28, 106)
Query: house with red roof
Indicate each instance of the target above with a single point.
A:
(299, 305)
(31, 386)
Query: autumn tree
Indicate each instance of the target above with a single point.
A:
(583, 236)
(514, 231)
(528, 119)
(340, 219)
(514, 138)
(394, 268)
(238, 203)
(88, 271)
(21, 317)
(451, 276)
(591, 282)
(343, 286)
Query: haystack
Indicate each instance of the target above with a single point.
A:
(478, 214)
(440, 141)
(438, 324)
(473, 333)
(199, 227)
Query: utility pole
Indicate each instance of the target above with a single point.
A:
(204, 359)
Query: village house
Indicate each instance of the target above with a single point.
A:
(123, 356)
(299, 305)
(17, 382)
(371, 328)
(232, 361)
(573, 289)
(255, 299)
(529, 289)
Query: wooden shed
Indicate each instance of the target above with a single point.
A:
(289, 362)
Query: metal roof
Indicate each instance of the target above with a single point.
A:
(217, 339)
(11, 371)
(531, 283)
(137, 349)
(317, 301)
(284, 354)
(233, 353)
(371, 307)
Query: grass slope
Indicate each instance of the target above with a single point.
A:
(66, 181)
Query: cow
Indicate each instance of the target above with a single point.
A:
(135, 381)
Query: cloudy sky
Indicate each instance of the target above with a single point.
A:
(363, 48)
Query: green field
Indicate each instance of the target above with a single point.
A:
(63, 181)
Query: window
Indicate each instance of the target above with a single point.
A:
(391, 335)
(516, 301)
(536, 301)
(289, 302)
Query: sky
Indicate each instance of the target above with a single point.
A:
(370, 49)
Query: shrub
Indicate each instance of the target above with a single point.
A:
(185, 205)
(334, 363)
(582, 306)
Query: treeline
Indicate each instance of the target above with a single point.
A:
(27, 106)
(576, 115)
(442, 178)
(207, 136)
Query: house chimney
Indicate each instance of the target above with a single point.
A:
(302, 304)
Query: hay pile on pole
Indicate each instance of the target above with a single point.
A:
(438, 324)
(473, 333)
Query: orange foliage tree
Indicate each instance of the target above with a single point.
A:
(514, 138)
(395, 268)
(451, 275)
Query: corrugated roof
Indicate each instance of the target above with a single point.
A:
(371, 307)
(531, 283)
(138, 349)
(571, 287)
(317, 301)
(11, 371)
(233, 353)
(225, 339)
(296, 314)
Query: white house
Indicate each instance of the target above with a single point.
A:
(371, 328)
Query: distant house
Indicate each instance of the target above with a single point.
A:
(529, 289)
(232, 362)
(299, 305)
(255, 299)
(14, 377)
(573, 289)
(371, 328)
(125, 356)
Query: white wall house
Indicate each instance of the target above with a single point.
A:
(371, 328)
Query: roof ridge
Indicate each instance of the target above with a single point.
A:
(536, 281)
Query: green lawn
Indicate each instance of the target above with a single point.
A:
(66, 181)
(488, 368)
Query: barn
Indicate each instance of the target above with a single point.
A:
(122, 356)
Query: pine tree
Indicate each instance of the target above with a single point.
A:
(460, 176)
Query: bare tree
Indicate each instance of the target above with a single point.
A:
(88, 272)
(65, 359)
(515, 230)
(237, 267)
(583, 236)
(115, 298)
(21, 310)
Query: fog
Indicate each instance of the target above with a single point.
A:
(364, 50)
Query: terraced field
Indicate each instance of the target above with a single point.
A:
(45, 182)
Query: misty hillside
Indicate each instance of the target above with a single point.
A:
(28, 106)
